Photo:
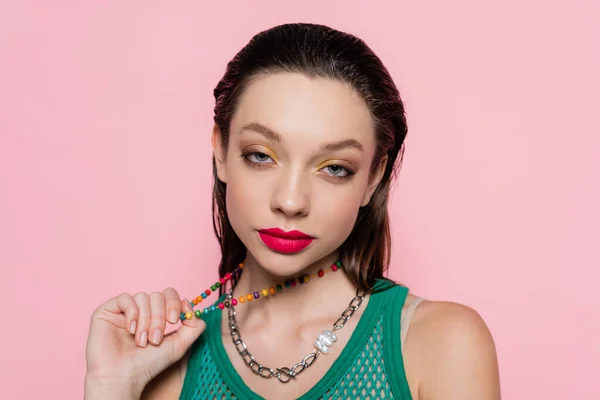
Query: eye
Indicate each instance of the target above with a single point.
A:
(338, 171)
(258, 157)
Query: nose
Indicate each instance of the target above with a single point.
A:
(291, 195)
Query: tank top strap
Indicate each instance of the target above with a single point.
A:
(406, 318)
(392, 342)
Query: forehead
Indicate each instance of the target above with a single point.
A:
(293, 104)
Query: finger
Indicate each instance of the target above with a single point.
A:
(178, 342)
(186, 308)
(128, 305)
(123, 304)
(157, 318)
(173, 304)
(191, 323)
(143, 302)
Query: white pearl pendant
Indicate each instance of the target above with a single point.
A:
(323, 348)
(330, 335)
(325, 340)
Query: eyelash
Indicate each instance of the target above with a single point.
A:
(246, 157)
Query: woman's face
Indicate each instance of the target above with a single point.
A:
(298, 159)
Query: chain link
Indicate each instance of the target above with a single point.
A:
(284, 374)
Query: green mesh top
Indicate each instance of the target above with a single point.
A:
(370, 366)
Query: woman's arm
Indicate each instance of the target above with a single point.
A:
(457, 356)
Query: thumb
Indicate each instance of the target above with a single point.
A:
(181, 340)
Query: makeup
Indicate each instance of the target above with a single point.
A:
(285, 242)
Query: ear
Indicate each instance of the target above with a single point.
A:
(375, 180)
(219, 153)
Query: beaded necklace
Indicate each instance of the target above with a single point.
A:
(288, 284)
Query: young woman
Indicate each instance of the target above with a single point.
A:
(309, 130)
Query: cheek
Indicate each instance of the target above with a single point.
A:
(336, 210)
(245, 200)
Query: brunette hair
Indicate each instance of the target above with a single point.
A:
(321, 52)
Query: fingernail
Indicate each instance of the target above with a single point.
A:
(156, 336)
(173, 316)
(144, 339)
(132, 327)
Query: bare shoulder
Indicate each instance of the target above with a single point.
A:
(450, 353)
(167, 385)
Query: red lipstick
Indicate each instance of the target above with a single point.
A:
(284, 242)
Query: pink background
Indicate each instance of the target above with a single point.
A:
(105, 116)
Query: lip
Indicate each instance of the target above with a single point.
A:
(280, 233)
(286, 242)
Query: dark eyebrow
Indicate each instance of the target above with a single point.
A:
(263, 130)
(342, 144)
(271, 134)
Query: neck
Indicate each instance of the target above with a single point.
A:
(321, 297)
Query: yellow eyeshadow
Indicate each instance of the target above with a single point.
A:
(260, 149)
(330, 163)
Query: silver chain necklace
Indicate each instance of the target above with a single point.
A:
(285, 374)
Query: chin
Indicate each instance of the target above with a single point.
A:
(282, 265)
(285, 265)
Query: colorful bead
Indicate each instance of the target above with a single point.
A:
(251, 296)
(182, 316)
